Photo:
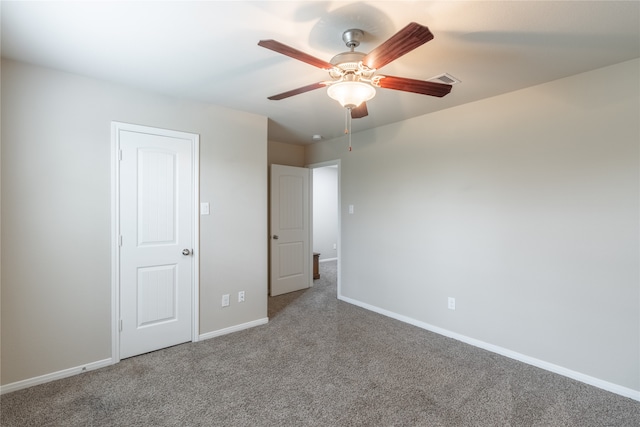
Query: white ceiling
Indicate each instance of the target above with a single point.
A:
(208, 50)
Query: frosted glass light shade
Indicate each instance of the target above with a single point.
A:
(351, 94)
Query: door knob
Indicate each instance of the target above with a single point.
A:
(275, 237)
(186, 252)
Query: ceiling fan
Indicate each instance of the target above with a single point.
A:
(354, 77)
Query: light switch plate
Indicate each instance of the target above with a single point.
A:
(204, 208)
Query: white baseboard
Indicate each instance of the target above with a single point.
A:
(234, 328)
(19, 385)
(578, 376)
(327, 260)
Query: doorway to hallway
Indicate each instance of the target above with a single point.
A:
(326, 214)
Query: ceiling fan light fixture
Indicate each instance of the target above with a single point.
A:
(351, 94)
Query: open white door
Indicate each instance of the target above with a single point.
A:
(290, 229)
(156, 217)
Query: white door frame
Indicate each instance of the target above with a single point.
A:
(338, 254)
(116, 127)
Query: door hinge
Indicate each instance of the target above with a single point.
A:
(120, 325)
(120, 155)
(120, 240)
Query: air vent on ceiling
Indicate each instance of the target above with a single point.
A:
(445, 78)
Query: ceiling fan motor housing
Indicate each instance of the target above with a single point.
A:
(350, 63)
(347, 60)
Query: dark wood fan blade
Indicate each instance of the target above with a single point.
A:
(416, 86)
(360, 111)
(295, 54)
(298, 91)
(404, 41)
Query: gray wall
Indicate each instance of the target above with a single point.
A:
(280, 153)
(56, 276)
(524, 207)
(325, 211)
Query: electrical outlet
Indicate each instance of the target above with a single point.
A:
(452, 303)
(335, 246)
(225, 300)
(241, 296)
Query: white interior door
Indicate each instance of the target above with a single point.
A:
(290, 229)
(157, 239)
